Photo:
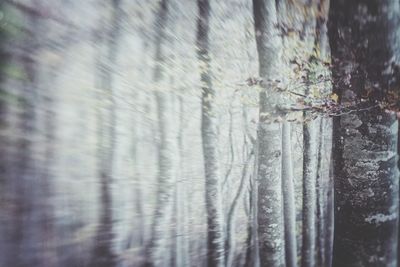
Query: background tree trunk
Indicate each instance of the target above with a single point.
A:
(103, 254)
(288, 197)
(310, 156)
(215, 238)
(167, 165)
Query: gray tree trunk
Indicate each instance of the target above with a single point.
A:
(159, 248)
(230, 229)
(310, 139)
(289, 208)
(209, 132)
(252, 254)
(26, 138)
(365, 141)
(321, 203)
(270, 203)
(103, 254)
(181, 246)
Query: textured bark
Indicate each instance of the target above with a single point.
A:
(365, 149)
(289, 208)
(209, 132)
(270, 204)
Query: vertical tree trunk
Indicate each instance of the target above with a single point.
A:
(289, 208)
(230, 229)
(181, 245)
(209, 131)
(320, 237)
(324, 179)
(309, 192)
(159, 248)
(103, 254)
(26, 135)
(329, 228)
(252, 254)
(138, 235)
(270, 204)
(365, 152)
(23, 171)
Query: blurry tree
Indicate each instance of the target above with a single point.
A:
(209, 132)
(159, 252)
(103, 254)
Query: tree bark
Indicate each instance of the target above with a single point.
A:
(270, 204)
(365, 150)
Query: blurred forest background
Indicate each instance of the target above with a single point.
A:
(199, 133)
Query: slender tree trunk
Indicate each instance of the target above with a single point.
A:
(329, 232)
(25, 184)
(324, 179)
(230, 229)
(248, 261)
(270, 204)
(159, 248)
(252, 254)
(103, 254)
(181, 246)
(289, 208)
(138, 235)
(310, 140)
(320, 241)
(365, 152)
(209, 130)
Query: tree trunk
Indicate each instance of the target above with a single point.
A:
(103, 254)
(26, 139)
(310, 140)
(329, 232)
(159, 247)
(181, 246)
(252, 254)
(321, 234)
(230, 229)
(270, 204)
(289, 208)
(209, 132)
(365, 149)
